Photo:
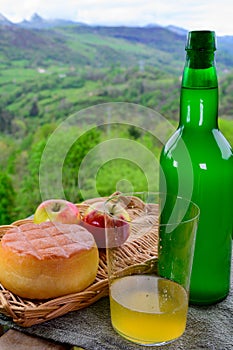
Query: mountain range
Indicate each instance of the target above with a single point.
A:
(36, 21)
(40, 42)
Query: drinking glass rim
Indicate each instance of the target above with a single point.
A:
(134, 194)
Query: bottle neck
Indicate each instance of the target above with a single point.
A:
(199, 91)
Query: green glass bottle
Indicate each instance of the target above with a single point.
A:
(197, 163)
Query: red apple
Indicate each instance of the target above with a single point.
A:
(57, 210)
(117, 222)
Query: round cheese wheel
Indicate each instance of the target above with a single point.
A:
(47, 260)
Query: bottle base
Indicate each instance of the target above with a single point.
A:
(203, 302)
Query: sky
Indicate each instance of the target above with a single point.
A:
(188, 14)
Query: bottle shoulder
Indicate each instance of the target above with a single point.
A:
(173, 141)
(208, 143)
(223, 144)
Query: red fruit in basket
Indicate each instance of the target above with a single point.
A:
(57, 210)
(95, 220)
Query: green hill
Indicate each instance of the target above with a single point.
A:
(91, 46)
(55, 71)
(50, 72)
(100, 46)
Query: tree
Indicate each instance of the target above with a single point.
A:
(134, 132)
(34, 111)
(5, 121)
(28, 196)
(6, 199)
(77, 153)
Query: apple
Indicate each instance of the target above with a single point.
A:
(95, 220)
(57, 210)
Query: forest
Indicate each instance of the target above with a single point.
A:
(85, 111)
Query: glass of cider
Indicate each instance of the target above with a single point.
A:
(150, 241)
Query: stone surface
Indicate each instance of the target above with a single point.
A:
(17, 340)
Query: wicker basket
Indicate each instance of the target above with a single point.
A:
(27, 312)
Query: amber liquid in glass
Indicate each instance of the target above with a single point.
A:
(148, 309)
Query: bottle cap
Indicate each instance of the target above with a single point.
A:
(201, 40)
